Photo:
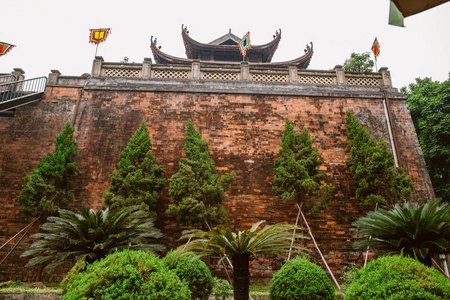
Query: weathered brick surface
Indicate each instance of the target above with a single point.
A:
(244, 132)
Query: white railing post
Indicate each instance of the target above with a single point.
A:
(245, 71)
(293, 74)
(97, 66)
(147, 68)
(53, 77)
(195, 70)
(340, 75)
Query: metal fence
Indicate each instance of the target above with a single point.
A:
(14, 90)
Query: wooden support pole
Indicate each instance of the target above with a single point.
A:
(320, 252)
(12, 249)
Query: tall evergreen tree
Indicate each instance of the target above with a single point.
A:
(196, 189)
(297, 177)
(49, 186)
(372, 166)
(138, 179)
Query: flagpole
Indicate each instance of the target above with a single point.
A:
(96, 48)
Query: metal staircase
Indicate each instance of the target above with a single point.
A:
(15, 93)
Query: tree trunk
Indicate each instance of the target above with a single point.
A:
(241, 276)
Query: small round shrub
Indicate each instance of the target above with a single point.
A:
(397, 277)
(128, 275)
(301, 279)
(194, 272)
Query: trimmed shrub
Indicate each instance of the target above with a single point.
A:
(128, 275)
(397, 277)
(301, 279)
(79, 267)
(194, 272)
(222, 289)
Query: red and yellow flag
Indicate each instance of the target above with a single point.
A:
(98, 35)
(5, 47)
(376, 48)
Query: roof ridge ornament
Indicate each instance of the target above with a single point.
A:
(277, 33)
(154, 42)
(184, 29)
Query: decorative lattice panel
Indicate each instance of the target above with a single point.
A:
(220, 76)
(316, 80)
(121, 73)
(269, 77)
(171, 74)
(363, 81)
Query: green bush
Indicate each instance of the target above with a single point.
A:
(128, 275)
(397, 277)
(194, 272)
(222, 288)
(301, 279)
(78, 268)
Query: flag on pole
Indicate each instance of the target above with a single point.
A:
(99, 35)
(5, 47)
(244, 44)
(376, 48)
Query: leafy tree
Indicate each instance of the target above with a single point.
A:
(297, 177)
(196, 189)
(92, 235)
(49, 186)
(138, 179)
(414, 230)
(372, 166)
(429, 104)
(269, 240)
(359, 63)
(397, 277)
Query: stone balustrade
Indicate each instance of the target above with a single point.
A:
(244, 73)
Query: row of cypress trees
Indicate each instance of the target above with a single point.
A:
(196, 189)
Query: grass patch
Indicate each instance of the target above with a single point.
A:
(259, 290)
(27, 289)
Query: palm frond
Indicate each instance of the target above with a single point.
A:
(271, 239)
(92, 235)
(411, 229)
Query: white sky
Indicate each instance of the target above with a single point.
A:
(54, 34)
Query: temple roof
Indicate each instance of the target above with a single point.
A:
(227, 46)
(225, 51)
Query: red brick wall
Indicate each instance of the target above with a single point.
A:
(244, 132)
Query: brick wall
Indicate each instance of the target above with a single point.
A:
(244, 132)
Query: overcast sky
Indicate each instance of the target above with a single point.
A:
(54, 34)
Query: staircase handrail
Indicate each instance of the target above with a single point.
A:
(22, 88)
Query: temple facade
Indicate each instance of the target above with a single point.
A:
(239, 106)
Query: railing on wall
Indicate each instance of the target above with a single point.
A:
(21, 92)
(245, 73)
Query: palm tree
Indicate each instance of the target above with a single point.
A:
(272, 239)
(414, 230)
(92, 235)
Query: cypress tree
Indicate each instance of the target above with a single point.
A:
(297, 177)
(372, 166)
(196, 190)
(138, 179)
(49, 186)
